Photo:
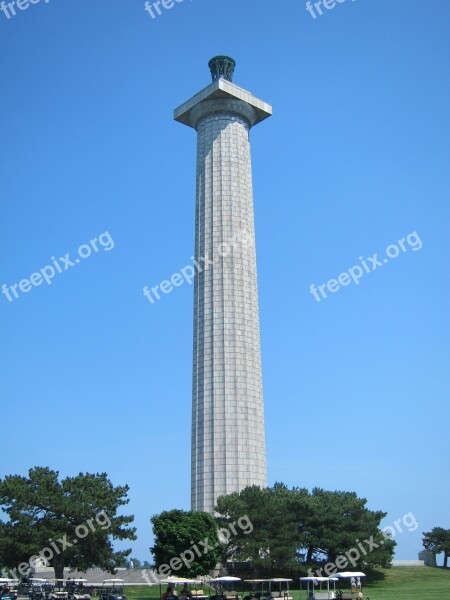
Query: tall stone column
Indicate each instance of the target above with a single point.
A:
(228, 439)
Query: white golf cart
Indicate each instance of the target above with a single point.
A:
(259, 589)
(40, 589)
(198, 588)
(112, 589)
(59, 591)
(354, 583)
(8, 588)
(279, 588)
(264, 589)
(319, 588)
(187, 584)
(77, 590)
(224, 588)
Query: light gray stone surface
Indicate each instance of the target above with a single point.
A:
(222, 89)
(228, 439)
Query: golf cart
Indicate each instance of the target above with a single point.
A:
(174, 581)
(224, 588)
(59, 591)
(319, 588)
(279, 588)
(112, 589)
(40, 589)
(259, 589)
(76, 589)
(354, 582)
(8, 588)
(266, 589)
(197, 592)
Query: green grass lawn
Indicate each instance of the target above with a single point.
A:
(400, 583)
(412, 583)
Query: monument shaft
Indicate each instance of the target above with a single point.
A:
(228, 439)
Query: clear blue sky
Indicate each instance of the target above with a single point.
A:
(355, 157)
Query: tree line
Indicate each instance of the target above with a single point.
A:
(73, 522)
(293, 531)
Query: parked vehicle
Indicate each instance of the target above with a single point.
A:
(267, 589)
(59, 590)
(354, 585)
(259, 589)
(8, 588)
(77, 589)
(112, 589)
(279, 588)
(40, 589)
(225, 588)
(319, 588)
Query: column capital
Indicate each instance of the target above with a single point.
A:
(255, 111)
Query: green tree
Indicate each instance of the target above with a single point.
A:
(180, 538)
(272, 545)
(439, 542)
(294, 529)
(69, 523)
(337, 523)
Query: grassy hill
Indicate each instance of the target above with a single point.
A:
(412, 583)
(400, 583)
